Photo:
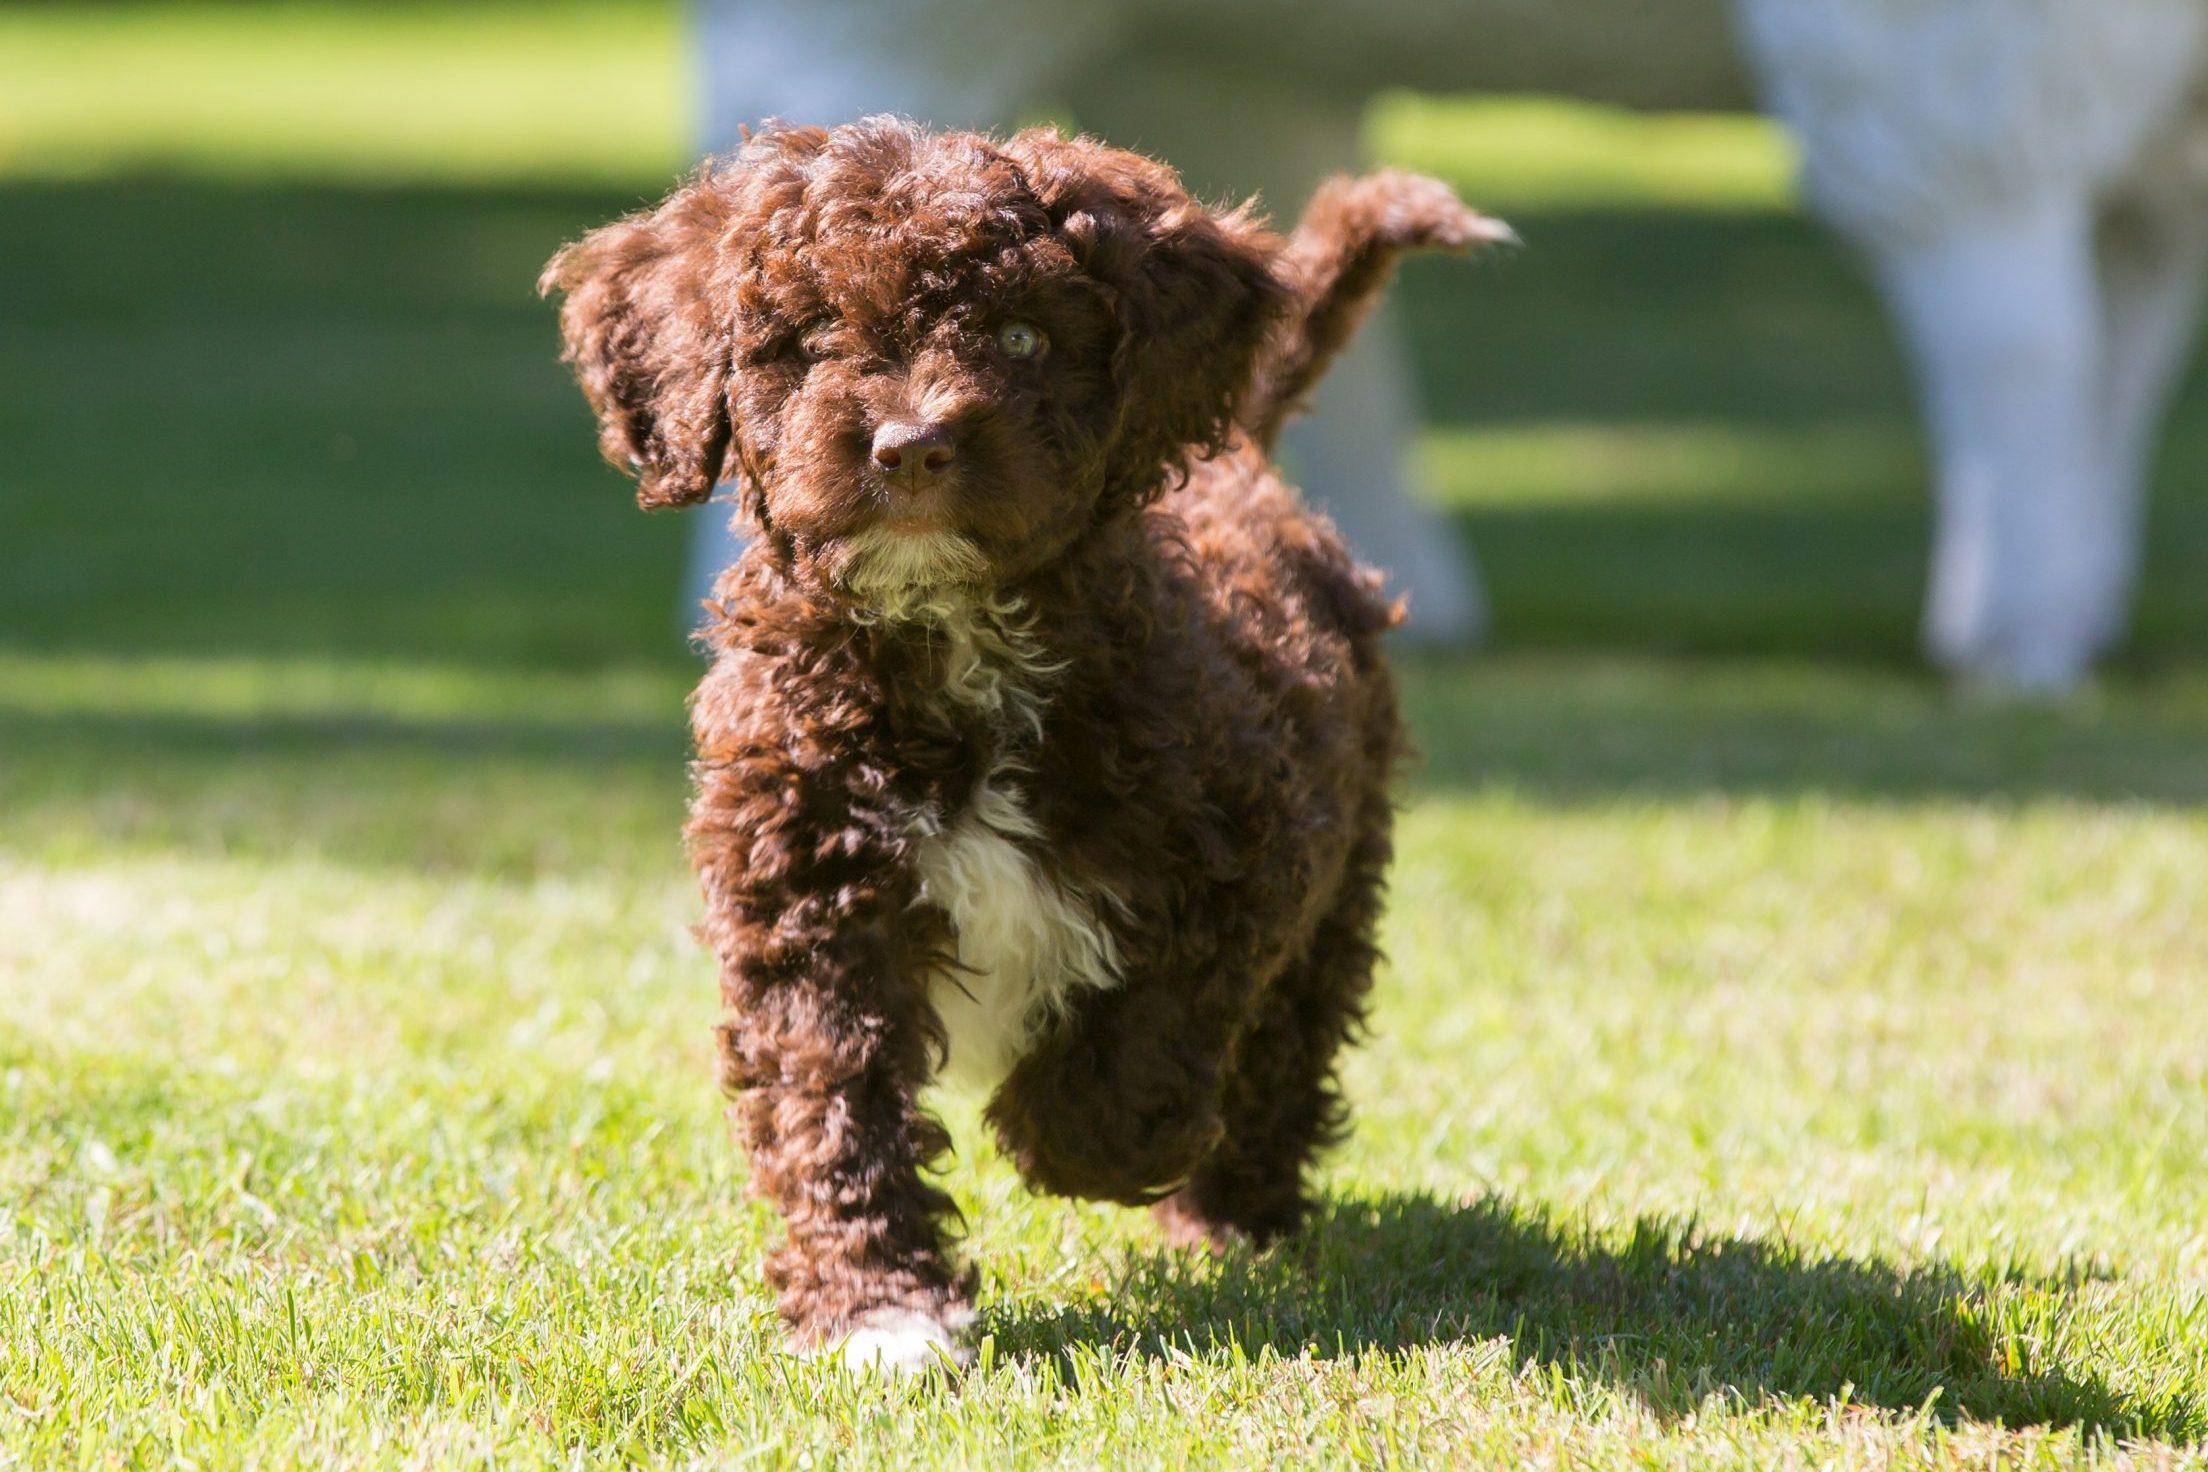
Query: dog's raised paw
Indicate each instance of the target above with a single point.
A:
(895, 1343)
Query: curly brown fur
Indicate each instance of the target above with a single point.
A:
(1006, 764)
(1336, 265)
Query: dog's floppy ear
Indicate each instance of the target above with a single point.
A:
(647, 329)
(1196, 292)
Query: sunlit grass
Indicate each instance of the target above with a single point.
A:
(569, 91)
(1772, 1064)
(1551, 154)
(1716, 463)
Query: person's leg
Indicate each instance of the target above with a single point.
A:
(975, 63)
(1352, 456)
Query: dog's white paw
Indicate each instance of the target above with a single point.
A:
(900, 1342)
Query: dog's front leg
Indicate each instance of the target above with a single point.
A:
(1122, 1100)
(825, 1047)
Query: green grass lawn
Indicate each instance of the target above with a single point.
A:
(1781, 1063)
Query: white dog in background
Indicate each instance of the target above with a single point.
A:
(2029, 179)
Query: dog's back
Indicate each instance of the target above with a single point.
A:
(1337, 263)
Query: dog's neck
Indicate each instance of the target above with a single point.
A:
(981, 647)
(994, 651)
(987, 657)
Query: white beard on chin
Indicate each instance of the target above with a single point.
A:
(897, 571)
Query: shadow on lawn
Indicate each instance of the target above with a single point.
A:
(1671, 1317)
(1589, 734)
(220, 739)
(1611, 729)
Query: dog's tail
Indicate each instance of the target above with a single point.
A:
(1337, 263)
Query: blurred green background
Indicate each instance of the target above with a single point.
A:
(273, 378)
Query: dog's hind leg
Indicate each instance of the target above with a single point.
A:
(1282, 1104)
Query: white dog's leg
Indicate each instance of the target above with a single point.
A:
(2003, 313)
(2153, 269)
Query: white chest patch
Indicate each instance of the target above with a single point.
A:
(1025, 944)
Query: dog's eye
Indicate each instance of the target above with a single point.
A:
(1021, 340)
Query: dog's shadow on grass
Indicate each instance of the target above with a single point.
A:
(1670, 1316)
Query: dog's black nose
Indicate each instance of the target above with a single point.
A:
(913, 454)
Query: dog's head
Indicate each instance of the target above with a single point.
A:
(926, 358)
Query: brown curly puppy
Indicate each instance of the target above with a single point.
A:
(1010, 764)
